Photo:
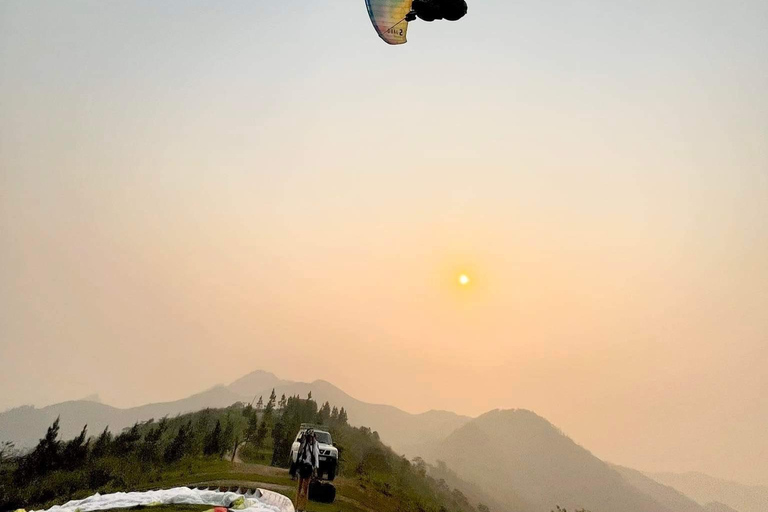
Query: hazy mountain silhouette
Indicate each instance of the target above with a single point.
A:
(522, 458)
(475, 494)
(255, 383)
(717, 492)
(26, 425)
(718, 507)
(665, 495)
(514, 460)
(401, 430)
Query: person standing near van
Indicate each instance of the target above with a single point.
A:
(307, 463)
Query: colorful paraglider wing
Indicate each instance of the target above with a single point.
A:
(388, 18)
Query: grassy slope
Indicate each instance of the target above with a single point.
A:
(352, 494)
(213, 473)
(351, 497)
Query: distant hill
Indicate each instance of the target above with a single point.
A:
(718, 507)
(255, 383)
(520, 457)
(401, 430)
(475, 493)
(516, 457)
(665, 495)
(26, 425)
(717, 492)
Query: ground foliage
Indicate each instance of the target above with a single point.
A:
(174, 451)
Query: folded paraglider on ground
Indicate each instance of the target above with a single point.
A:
(390, 18)
(253, 500)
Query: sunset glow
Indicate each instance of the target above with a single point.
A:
(548, 206)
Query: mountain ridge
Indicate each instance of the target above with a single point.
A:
(716, 492)
(542, 467)
(25, 425)
(535, 464)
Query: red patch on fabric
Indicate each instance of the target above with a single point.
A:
(219, 509)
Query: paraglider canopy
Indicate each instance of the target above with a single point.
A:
(390, 17)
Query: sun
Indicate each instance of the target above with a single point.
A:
(463, 279)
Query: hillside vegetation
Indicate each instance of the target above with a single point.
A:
(510, 461)
(189, 449)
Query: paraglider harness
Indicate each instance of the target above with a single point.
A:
(431, 10)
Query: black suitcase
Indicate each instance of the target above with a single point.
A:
(322, 492)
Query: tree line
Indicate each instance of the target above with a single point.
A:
(274, 425)
(145, 454)
(139, 455)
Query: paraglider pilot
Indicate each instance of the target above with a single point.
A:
(307, 462)
(431, 10)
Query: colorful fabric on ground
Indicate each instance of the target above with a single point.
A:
(264, 501)
(218, 509)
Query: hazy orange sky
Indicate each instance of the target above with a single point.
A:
(192, 190)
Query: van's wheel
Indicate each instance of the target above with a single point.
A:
(331, 472)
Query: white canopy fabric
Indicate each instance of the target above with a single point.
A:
(263, 501)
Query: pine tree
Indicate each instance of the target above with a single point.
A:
(268, 420)
(46, 456)
(324, 414)
(149, 451)
(260, 404)
(103, 444)
(277, 438)
(202, 427)
(181, 444)
(252, 429)
(334, 414)
(7, 450)
(75, 452)
(268, 410)
(296, 412)
(283, 402)
(261, 435)
(49, 450)
(309, 396)
(227, 437)
(213, 441)
(343, 416)
(126, 442)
